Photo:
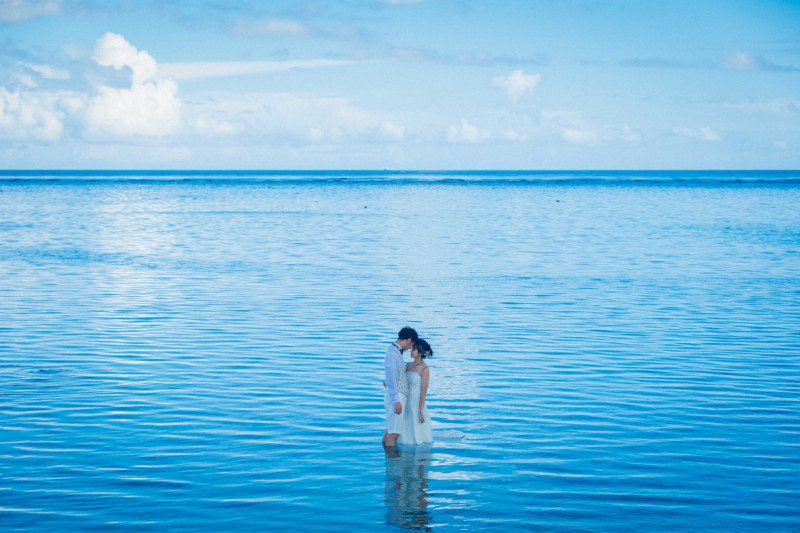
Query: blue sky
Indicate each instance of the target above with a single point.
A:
(425, 84)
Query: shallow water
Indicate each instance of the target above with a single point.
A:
(612, 354)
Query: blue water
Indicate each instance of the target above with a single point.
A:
(204, 351)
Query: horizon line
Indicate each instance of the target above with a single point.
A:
(13, 171)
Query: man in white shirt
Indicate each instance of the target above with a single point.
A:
(396, 385)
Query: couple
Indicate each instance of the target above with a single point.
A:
(407, 420)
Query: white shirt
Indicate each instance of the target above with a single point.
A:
(396, 381)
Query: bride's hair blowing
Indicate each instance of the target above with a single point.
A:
(424, 348)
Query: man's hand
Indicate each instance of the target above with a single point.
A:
(398, 407)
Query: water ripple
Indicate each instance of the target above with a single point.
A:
(207, 355)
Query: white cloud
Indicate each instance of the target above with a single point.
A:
(466, 133)
(777, 105)
(122, 154)
(149, 107)
(73, 103)
(511, 134)
(280, 119)
(270, 27)
(113, 50)
(571, 127)
(740, 61)
(205, 70)
(284, 121)
(518, 84)
(26, 80)
(629, 135)
(49, 72)
(392, 132)
(701, 134)
(580, 136)
(575, 129)
(17, 10)
(213, 127)
(749, 62)
(25, 115)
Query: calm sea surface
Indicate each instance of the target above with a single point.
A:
(204, 352)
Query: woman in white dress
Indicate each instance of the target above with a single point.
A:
(416, 421)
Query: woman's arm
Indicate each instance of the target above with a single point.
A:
(423, 391)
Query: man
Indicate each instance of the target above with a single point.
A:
(396, 385)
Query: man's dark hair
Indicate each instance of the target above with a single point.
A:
(408, 333)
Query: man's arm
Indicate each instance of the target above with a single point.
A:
(391, 376)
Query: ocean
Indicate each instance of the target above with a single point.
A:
(203, 351)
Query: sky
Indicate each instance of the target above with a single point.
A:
(400, 84)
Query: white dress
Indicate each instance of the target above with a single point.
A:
(413, 431)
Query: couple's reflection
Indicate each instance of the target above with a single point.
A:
(406, 489)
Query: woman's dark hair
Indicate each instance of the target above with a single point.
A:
(408, 333)
(423, 348)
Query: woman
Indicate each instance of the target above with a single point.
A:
(416, 422)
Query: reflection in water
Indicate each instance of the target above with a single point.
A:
(406, 489)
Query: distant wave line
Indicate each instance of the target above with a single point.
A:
(787, 177)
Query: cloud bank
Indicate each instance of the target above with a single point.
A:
(147, 104)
